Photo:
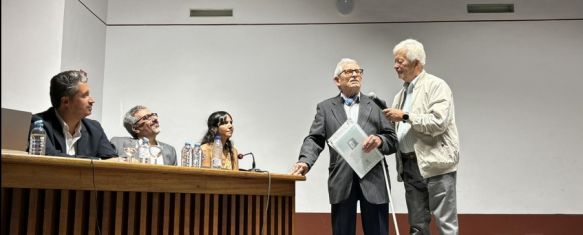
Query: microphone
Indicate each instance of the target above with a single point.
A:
(240, 156)
(382, 104)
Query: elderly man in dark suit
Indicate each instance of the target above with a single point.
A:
(69, 132)
(140, 123)
(345, 188)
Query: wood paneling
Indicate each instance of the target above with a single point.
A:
(77, 174)
(60, 196)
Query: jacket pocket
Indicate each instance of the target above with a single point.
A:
(441, 158)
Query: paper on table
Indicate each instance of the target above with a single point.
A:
(348, 141)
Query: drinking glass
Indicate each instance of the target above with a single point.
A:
(129, 148)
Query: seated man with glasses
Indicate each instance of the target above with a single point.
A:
(69, 132)
(140, 123)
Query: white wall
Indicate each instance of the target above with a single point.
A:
(97, 7)
(32, 34)
(516, 84)
(41, 39)
(516, 88)
(84, 48)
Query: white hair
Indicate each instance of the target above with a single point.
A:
(413, 48)
(338, 69)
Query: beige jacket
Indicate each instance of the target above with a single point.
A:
(433, 124)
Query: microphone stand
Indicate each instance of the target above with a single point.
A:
(240, 156)
(253, 163)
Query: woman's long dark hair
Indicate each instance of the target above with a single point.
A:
(215, 120)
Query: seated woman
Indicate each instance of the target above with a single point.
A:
(220, 123)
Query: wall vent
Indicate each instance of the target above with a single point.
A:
(490, 8)
(211, 13)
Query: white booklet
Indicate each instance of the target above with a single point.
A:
(348, 141)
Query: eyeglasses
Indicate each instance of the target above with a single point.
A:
(146, 117)
(349, 72)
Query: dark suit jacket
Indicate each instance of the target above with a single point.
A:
(168, 152)
(92, 144)
(330, 116)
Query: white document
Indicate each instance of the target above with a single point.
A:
(348, 141)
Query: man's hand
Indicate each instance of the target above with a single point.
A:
(395, 115)
(371, 142)
(299, 168)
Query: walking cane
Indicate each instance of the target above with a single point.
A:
(385, 167)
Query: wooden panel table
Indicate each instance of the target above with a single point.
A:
(54, 195)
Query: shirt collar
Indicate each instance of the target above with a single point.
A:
(411, 85)
(66, 127)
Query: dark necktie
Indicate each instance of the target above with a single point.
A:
(406, 87)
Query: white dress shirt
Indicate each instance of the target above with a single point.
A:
(70, 140)
(352, 110)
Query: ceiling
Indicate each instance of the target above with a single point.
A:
(122, 12)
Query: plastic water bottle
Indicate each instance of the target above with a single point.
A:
(186, 155)
(217, 160)
(197, 157)
(144, 151)
(38, 138)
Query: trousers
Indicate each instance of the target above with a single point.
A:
(435, 195)
(374, 216)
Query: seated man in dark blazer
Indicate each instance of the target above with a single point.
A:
(140, 123)
(69, 132)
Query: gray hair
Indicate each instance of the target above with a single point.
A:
(413, 48)
(343, 61)
(65, 84)
(129, 120)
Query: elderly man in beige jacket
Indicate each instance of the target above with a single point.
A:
(428, 146)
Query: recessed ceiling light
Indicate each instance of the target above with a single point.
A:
(345, 6)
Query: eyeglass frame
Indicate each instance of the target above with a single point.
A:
(145, 117)
(349, 72)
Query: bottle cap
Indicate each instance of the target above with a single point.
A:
(38, 123)
(217, 137)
